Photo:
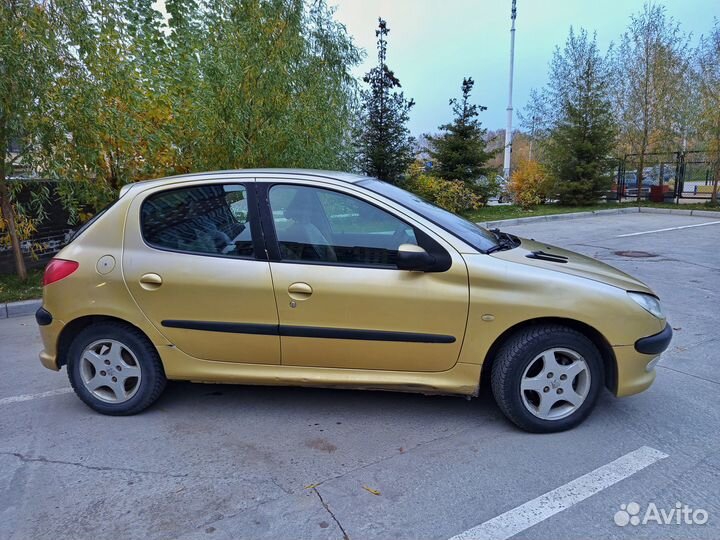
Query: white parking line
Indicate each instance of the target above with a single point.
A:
(539, 509)
(669, 229)
(28, 397)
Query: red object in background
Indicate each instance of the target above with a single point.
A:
(657, 193)
(58, 269)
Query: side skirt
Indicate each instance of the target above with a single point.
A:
(461, 379)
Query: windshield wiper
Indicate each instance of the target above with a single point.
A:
(505, 241)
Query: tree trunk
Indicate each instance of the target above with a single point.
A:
(9, 217)
(716, 179)
(6, 206)
(641, 166)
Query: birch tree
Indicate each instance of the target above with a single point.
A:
(708, 71)
(648, 81)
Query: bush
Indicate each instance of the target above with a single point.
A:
(530, 184)
(452, 195)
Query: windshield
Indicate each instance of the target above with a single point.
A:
(478, 237)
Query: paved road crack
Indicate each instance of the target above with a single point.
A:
(281, 487)
(507, 430)
(40, 459)
(689, 374)
(335, 519)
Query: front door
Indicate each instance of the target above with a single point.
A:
(341, 300)
(189, 261)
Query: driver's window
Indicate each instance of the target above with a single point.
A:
(320, 225)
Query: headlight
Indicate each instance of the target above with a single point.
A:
(648, 302)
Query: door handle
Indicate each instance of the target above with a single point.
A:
(300, 291)
(150, 281)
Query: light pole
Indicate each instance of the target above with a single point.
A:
(508, 128)
(532, 137)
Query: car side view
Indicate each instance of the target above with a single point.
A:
(314, 278)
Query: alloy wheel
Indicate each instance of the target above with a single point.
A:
(555, 384)
(110, 371)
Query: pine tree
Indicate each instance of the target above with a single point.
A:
(460, 152)
(385, 145)
(582, 127)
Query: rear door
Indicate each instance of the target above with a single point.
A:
(194, 262)
(342, 301)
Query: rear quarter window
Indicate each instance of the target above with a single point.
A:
(210, 219)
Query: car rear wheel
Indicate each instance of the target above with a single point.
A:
(547, 378)
(115, 369)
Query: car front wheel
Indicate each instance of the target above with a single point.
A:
(115, 369)
(547, 378)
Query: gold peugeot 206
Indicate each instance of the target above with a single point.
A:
(312, 278)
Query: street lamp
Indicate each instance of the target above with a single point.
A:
(508, 128)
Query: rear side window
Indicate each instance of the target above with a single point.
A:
(210, 220)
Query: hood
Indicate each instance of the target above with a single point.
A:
(549, 257)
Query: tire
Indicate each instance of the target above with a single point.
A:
(115, 369)
(540, 367)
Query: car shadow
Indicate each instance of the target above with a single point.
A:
(182, 397)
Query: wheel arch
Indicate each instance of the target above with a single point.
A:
(606, 351)
(74, 327)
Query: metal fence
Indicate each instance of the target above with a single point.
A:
(666, 176)
(51, 234)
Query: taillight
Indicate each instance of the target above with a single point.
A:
(58, 269)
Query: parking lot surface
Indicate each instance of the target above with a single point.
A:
(221, 461)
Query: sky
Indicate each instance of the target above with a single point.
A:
(433, 44)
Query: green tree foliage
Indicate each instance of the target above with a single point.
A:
(181, 75)
(227, 84)
(708, 76)
(385, 146)
(459, 153)
(581, 127)
(106, 92)
(650, 84)
(110, 111)
(34, 51)
(287, 99)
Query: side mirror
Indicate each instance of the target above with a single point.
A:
(412, 257)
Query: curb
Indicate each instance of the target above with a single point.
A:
(558, 217)
(19, 309)
(592, 213)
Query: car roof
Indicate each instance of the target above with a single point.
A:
(334, 175)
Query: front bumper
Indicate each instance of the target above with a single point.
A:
(636, 363)
(635, 371)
